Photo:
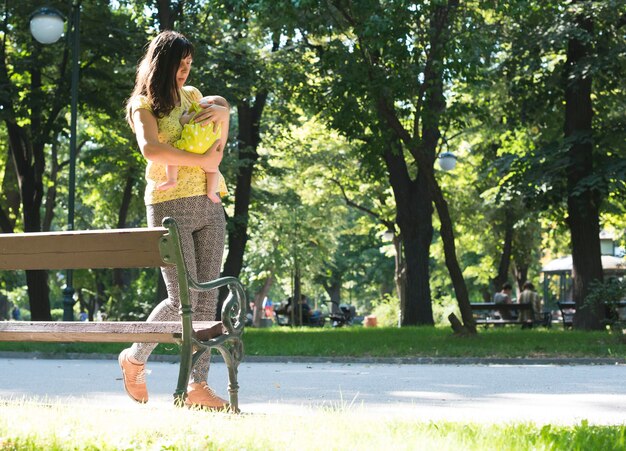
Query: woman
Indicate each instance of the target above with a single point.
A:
(156, 111)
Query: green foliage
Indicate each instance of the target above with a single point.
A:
(609, 293)
(134, 303)
(300, 214)
(56, 314)
(322, 137)
(387, 311)
(532, 65)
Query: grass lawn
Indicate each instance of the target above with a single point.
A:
(506, 342)
(32, 426)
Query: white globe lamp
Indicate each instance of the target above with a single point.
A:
(447, 161)
(46, 25)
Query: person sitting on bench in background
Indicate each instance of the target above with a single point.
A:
(529, 296)
(504, 297)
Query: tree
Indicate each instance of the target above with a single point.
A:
(379, 78)
(34, 106)
(583, 202)
(572, 164)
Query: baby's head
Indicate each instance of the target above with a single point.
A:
(205, 101)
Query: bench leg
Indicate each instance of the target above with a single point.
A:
(184, 372)
(232, 358)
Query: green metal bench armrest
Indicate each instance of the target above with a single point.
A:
(233, 310)
(233, 316)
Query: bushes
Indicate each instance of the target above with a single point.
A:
(387, 311)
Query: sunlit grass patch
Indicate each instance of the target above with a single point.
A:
(54, 426)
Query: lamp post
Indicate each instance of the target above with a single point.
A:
(46, 26)
(447, 161)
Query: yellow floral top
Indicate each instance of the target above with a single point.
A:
(191, 179)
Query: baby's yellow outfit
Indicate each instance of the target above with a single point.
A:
(191, 179)
(197, 138)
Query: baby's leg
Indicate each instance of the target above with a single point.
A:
(212, 179)
(171, 173)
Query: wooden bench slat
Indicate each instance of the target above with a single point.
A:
(100, 332)
(91, 249)
(502, 321)
(494, 306)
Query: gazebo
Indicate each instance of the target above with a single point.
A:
(557, 277)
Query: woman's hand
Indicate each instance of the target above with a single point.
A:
(211, 159)
(212, 113)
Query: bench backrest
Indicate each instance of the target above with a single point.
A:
(115, 248)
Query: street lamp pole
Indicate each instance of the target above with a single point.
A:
(68, 291)
(46, 25)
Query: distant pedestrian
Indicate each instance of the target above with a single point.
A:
(16, 313)
(268, 308)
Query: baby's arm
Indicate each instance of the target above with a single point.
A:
(171, 172)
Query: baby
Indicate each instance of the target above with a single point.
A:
(198, 139)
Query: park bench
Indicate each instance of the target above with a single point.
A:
(490, 313)
(130, 248)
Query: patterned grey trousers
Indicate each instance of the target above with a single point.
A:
(202, 227)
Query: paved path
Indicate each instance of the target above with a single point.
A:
(478, 393)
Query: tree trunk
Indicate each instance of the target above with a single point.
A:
(38, 295)
(118, 274)
(520, 270)
(249, 139)
(582, 202)
(333, 289)
(168, 15)
(258, 300)
(296, 307)
(27, 152)
(29, 166)
(11, 208)
(452, 263)
(414, 217)
(417, 232)
(505, 256)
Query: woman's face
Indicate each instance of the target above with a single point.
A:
(183, 71)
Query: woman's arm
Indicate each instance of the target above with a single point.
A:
(146, 132)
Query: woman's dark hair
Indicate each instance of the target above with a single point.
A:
(156, 73)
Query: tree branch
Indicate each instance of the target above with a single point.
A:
(366, 210)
